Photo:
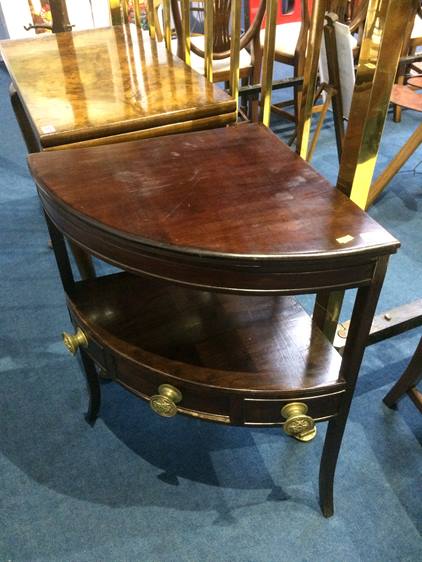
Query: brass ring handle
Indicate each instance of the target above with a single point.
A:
(298, 424)
(73, 341)
(164, 403)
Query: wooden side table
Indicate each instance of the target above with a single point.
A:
(213, 240)
(107, 85)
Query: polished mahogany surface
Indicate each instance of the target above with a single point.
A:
(237, 193)
(97, 83)
(247, 344)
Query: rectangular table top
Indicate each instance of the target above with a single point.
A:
(98, 83)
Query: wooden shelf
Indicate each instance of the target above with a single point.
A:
(211, 346)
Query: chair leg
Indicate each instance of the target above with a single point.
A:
(397, 108)
(244, 100)
(94, 390)
(409, 379)
(253, 105)
(403, 155)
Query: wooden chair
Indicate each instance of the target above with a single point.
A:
(127, 11)
(357, 22)
(337, 68)
(290, 49)
(407, 382)
(413, 41)
(342, 76)
(407, 97)
(291, 45)
(196, 49)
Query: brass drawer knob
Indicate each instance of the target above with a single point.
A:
(164, 403)
(73, 341)
(298, 424)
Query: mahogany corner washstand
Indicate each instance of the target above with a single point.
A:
(215, 231)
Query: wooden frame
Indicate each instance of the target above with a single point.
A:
(208, 257)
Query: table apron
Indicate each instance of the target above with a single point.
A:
(277, 277)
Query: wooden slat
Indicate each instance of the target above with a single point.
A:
(235, 50)
(186, 30)
(380, 54)
(137, 10)
(151, 18)
(388, 324)
(115, 12)
(268, 62)
(125, 11)
(167, 27)
(209, 38)
(310, 76)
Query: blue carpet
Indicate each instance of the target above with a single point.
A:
(139, 488)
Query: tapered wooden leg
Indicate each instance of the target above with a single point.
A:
(94, 390)
(409, 379)
(363, 313)
(329, 458)
(397, 108)
(327, 311)
(83, 261)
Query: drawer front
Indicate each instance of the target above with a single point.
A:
(95, 350)
(220, 406)
(268, 412)
(206, 403)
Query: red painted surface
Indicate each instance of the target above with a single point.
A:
(287, 11)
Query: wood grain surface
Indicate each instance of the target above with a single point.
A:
(97, 83)
(237, 192)
(407, 96)
(264, 343)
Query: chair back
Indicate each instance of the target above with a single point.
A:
(337, 54)
(379, 58)
(120, 10)
(223, 16)
(127, 11)
(222, 34)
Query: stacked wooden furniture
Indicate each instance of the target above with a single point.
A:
(193, 47)
(104, 86)
(214, 232)
(290, 49)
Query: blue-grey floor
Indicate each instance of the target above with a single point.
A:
(139, 488)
